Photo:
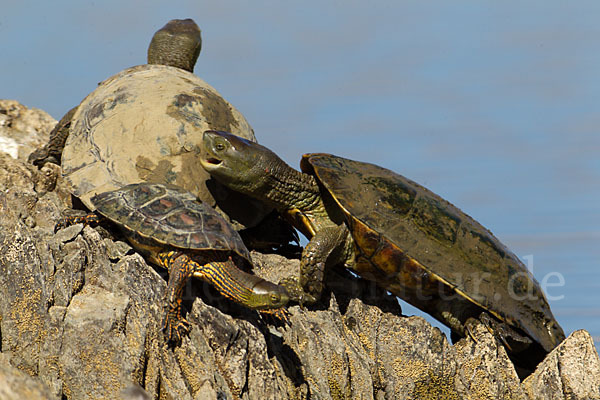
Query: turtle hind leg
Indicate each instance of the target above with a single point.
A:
(514, 341)
(52, 151)
(91, 219)
(524, 352)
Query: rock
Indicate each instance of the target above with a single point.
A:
(571, 371)
(135, 392)
(17, 385)
(22, 129)
(81, 317)
(87, 365)
(382, 355)
(485, 369)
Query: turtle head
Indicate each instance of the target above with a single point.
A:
(240, 164)
(268, 296)
(176, 44)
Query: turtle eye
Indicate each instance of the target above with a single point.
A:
(274, 297)
(219, 146)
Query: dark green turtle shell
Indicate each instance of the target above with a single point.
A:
(408, 236)
(167, 215)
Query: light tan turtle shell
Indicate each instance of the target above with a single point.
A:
(145, 124)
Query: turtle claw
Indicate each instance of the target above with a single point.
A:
(471, 333)
(62, 224)
(280, 314)
(515, 342)
(175, 328)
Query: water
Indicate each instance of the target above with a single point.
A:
(494, 106)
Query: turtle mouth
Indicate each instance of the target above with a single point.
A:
(210, 163)
(213, 161)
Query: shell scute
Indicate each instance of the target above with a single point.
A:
(171, 216)
(367, 239)
(436, 221)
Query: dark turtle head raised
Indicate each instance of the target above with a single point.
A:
(240, 164)
(176, 44)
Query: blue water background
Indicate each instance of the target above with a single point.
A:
(494, 106)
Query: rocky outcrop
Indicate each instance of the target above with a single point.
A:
(81, 312)
(23, 129)
(571, 371)
(16, 384)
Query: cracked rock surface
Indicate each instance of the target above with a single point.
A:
(81, 313)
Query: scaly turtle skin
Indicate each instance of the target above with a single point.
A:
(145, 124)
(395, 232)
(173, 230)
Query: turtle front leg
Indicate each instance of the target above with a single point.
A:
(327, 247)
(180, 268)
(88, 219)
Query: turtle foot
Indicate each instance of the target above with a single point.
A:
(296, 292)
(175, 328)
(280, 314)
(89, 219)
(513, 340)
(41, 156)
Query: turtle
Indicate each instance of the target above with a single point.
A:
(177, 44)
(145, 124)
(395, 232)
(172, 229)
